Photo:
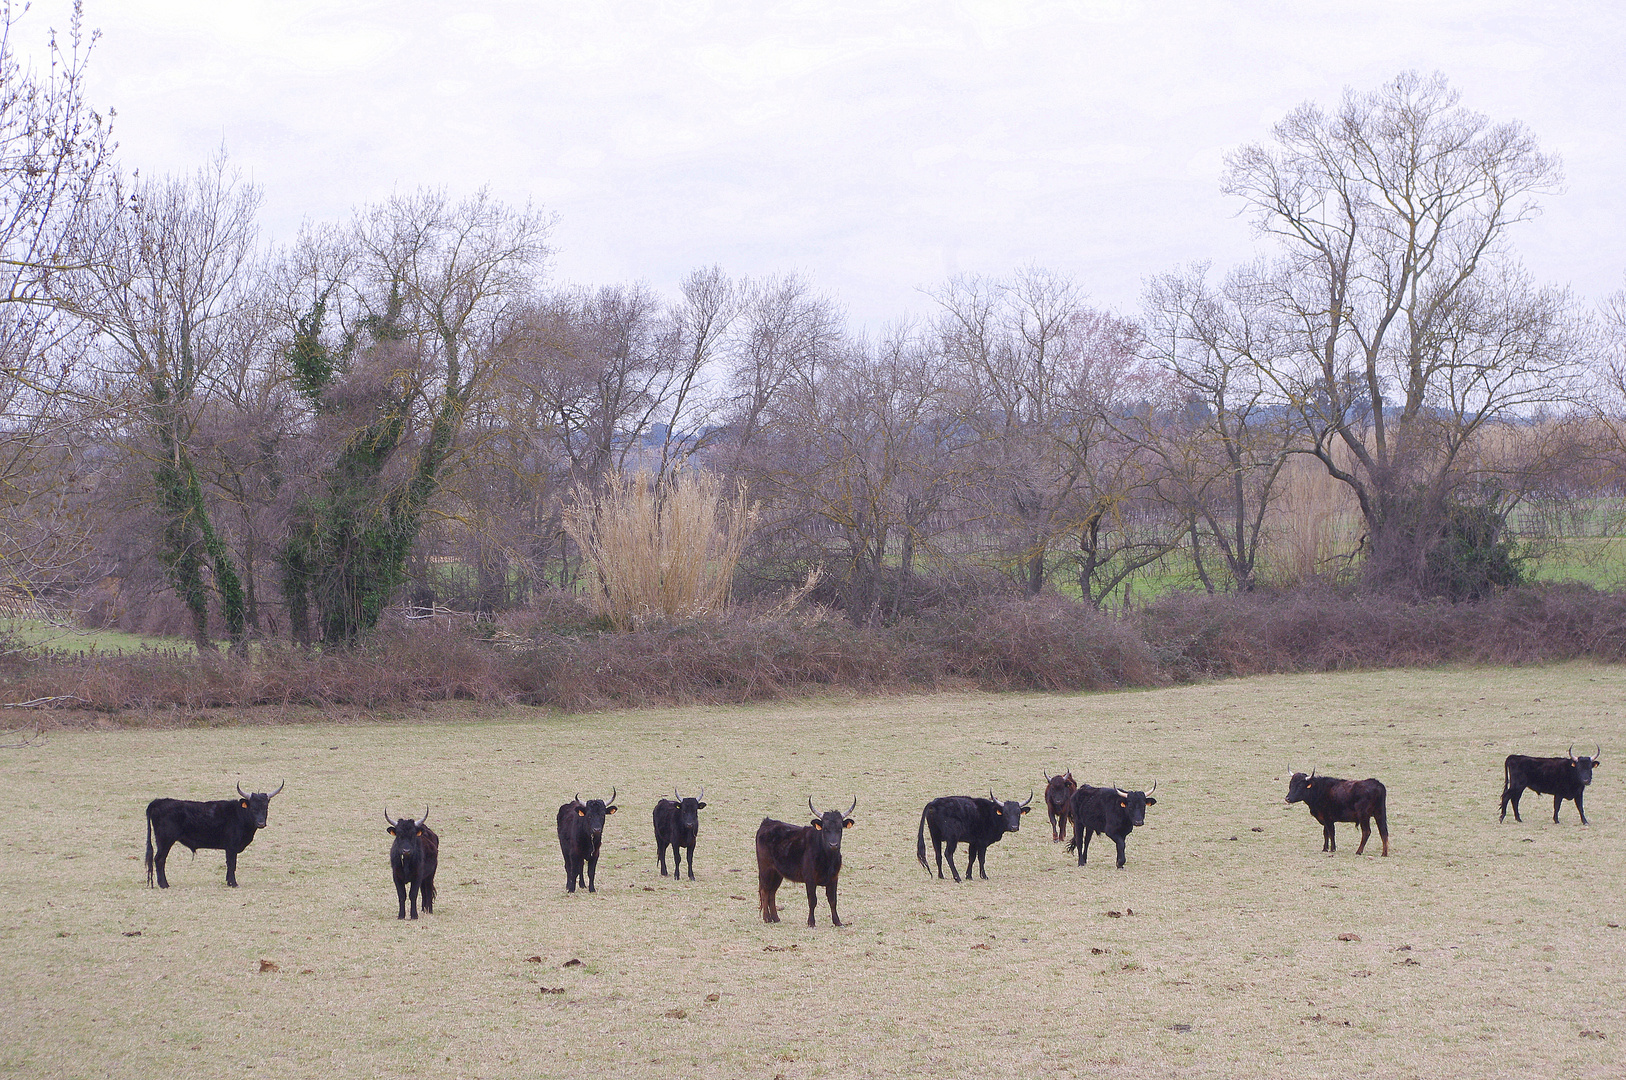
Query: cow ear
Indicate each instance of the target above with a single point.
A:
(245, 804)
(699, 806)
(1150, 801)
(610, 809)
(817, 824)
(390, 830)
(1025, 809)
(849, 823)
(581, 811)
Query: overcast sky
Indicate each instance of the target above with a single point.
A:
(877, 147)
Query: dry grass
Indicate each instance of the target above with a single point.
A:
(660, 551)
(1314, 527)
(1484, 950)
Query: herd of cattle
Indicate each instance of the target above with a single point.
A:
(811, 854)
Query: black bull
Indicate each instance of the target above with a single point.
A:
(1058, 802)
(1561, 777)
(414, 856)
(677, 825)
(581, 834)
(976, 823)
(1332, 800)
(1112, 812)
(810, 854)
(224, 824)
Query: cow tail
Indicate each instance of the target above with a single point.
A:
(920, 844)
(149, 847)
(1072, 845)
(428, 893)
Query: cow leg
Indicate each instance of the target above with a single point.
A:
(691, 864)
(660, 853)
(1119, 840)
(592, 871)
(1507, 795)
(400, 897)
(1578, 807)
(1329, 837)
(1518, 793)
(231, 868)
(951, 845)
(830, 895)
(572, 872)
(1084, 848)
(160, 859)
(1558, 800)
(813, 900)
(413, 892)
(1383, 828)
(937, 847)
(767, 895)
(1366, 834)
(981, 855)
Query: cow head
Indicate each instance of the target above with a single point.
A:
(1010, 811)
(593, 812)
(1299, 787)
(686, 818)
(1135, 802)
(405, 830)
(1058, 791)
(831, 824)
(1584, 765)
(258, 804)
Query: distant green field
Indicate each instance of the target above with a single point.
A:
(1228, 947)
(72, 640)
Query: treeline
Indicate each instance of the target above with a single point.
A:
(209, 435)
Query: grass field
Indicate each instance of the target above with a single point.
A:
(1479, 949)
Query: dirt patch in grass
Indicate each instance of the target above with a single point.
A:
(1477, 949)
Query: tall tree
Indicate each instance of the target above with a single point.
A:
(54, 149)
(429, 294)
(1415, 326)
(162, 272)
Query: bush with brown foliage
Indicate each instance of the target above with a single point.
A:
(551, 656)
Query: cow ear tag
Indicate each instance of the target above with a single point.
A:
(245, 804)
(609, 809)
(580, 812)
(998, 811)
(818, 824)
(849, 823)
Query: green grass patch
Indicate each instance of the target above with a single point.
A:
(70, 640)
(1479, 949)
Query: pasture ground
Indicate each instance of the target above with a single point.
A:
(1476, 949)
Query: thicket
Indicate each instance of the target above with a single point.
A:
(553, 655)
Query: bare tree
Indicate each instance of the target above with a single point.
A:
(164, 270)
(1040, 378)
(54, 148)
(1415, 327)
(1224, 431)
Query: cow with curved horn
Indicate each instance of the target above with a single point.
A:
(1563, 778)
(1058, 802)
(581, 833)
(975, 822)
(677, 825)
(228, 825)
(1110, 811)
(1332, 800)
(810, 854)
(413, 858)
